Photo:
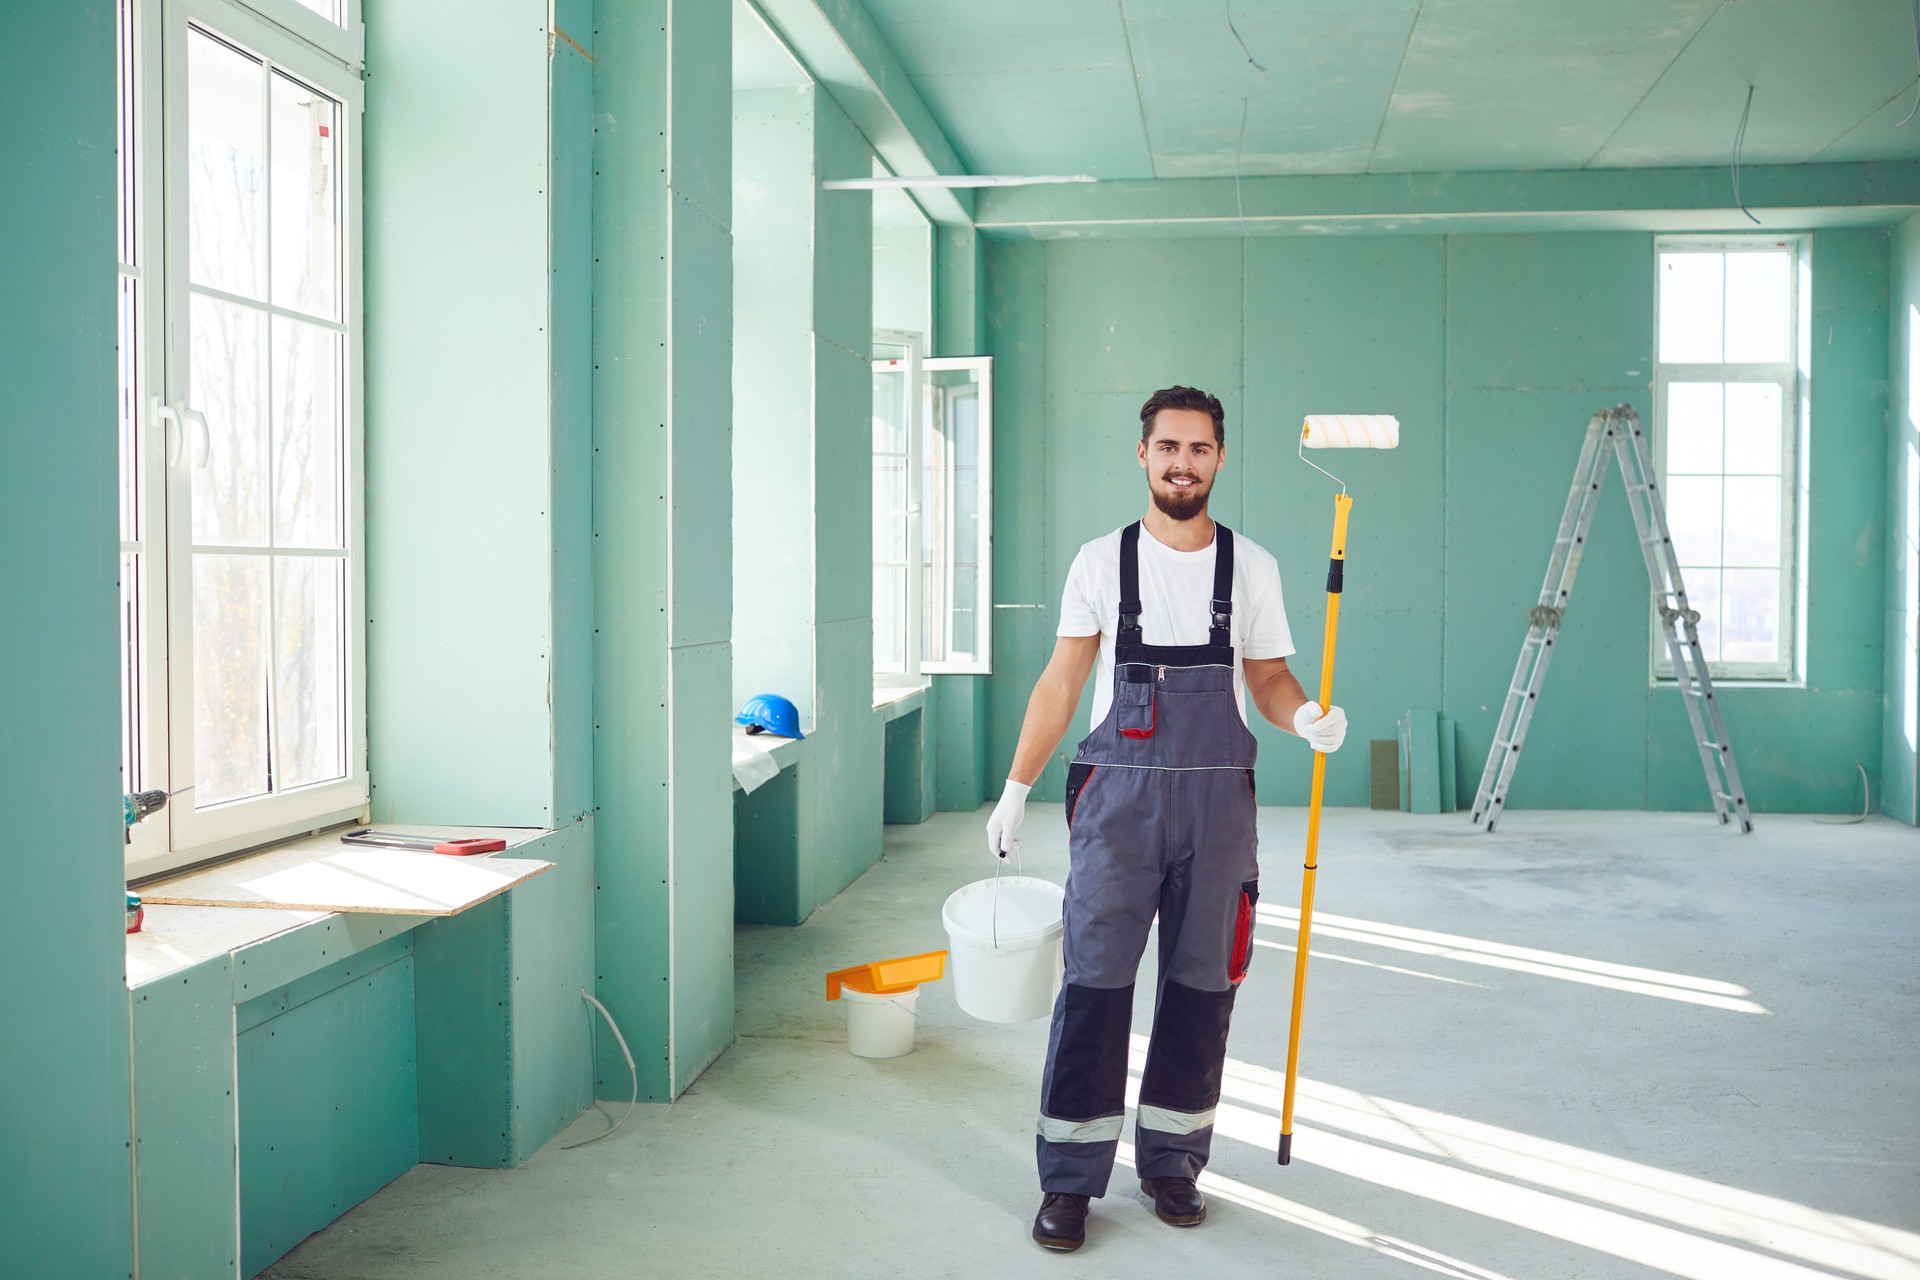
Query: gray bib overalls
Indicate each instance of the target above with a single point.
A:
(1160, 811)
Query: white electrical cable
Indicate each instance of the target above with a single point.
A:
(1866, 803)
(1916, 49)
(631, 1068)
(1739, 140)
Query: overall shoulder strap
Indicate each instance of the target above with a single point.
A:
(1129, 585)
(1221, 632)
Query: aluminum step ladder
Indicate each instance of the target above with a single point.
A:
(1616, 430)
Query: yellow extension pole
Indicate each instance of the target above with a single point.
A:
(1342, 504)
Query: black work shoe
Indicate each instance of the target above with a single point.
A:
(1176, 1201)
(1062, 1222)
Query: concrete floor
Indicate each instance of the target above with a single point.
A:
(1590, 1045)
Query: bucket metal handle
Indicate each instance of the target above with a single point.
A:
(996, 892)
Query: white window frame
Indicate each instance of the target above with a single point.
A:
(1789, 376)
(982, 368)
(908, 675)
(310, 48)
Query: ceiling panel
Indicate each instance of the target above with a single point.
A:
(1041, 122)
(1315, 109)
(1138, 88)
(1818, 71)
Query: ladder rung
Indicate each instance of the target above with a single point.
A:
(1709, 742)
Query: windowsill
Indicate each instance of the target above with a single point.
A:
(785, 751)
(897, 702)
(1749, 682)
(175, 937)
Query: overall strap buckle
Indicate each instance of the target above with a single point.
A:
(1221, 631)
(1130, 631)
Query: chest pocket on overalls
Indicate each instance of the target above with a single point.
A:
(1139, 711)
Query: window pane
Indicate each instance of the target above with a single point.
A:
(1750, 616)
(309, 426)
(229, 678)
(1752, 536)
(309, 676)
(229, 491)
(1753, 428)
(328, 9)
(1690, 307)
(130, 414)
(226, 167)
(132, 703)
(1693, 428)
(306, 141)
(1759, 306)
(1693, 518)
(1703, 597)
(890, 408)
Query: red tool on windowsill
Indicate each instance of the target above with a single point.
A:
(424, 844)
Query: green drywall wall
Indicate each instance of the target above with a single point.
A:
(908, 789)
(185, 1139)
(959, 292)
(326, 1109)
(662, 564)
(847, 748)
(958, 705)
(773, 411)
(1494, 351)
(63, 1057)
(1900, 710)
(570, 363)
(903, 276)
(459, 417)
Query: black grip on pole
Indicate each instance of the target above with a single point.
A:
(1286, 1148)
(1335, 570)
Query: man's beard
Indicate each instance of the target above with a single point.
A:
(1181, 504)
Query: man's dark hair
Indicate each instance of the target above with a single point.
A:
(1184, 398)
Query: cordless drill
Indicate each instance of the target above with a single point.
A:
(139, 805)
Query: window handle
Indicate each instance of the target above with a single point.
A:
(206, 434)
(163, 415)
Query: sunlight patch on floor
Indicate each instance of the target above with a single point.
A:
(1709, 992)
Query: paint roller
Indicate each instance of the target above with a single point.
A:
(1325, 431)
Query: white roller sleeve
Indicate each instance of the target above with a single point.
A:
(1351, 431)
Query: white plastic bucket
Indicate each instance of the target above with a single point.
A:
(880, 1026)
(1006, 966)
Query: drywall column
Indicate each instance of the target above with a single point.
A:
(64, 1108)
(958, 704)
(848, 757)
(1900, 723)
(662, 528)
(478, 180)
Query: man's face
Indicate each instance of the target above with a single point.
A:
(1181, 460)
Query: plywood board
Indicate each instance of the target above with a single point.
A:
(383, 881)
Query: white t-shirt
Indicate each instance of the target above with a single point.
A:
(1176, 593)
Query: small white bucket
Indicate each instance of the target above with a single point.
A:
(1006, 955)
(880, 1026)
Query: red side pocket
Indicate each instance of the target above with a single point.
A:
(1242, 955)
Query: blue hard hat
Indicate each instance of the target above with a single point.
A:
(772, 713)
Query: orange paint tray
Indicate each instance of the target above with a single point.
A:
(883, 976)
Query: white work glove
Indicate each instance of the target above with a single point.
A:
(1323, 730)
(1003, 828)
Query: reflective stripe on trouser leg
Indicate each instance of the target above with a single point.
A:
(1173, 1128)
(1083, 1097)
